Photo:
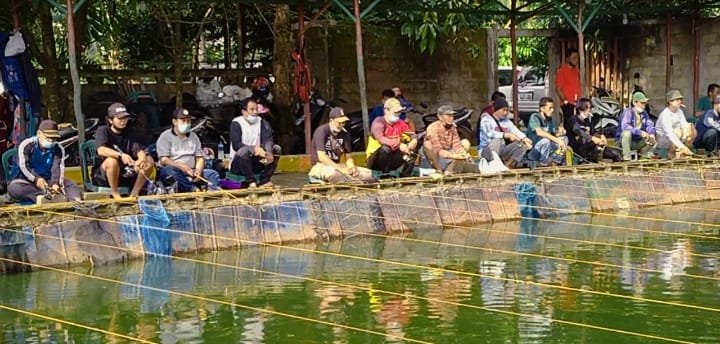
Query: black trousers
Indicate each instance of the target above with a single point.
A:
(568, 111)
(385, 160)
(247, 165)
(709, 141)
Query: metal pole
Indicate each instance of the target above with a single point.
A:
(75, 76)
(306, 105)
(361, 70)
(581, 47)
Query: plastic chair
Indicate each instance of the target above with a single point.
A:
(6, 157)
(88, 154)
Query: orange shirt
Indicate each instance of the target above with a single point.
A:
(568, 81)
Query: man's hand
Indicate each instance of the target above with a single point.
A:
(404, 148)
(55, 188)
(413, 143)
(684, 150)
(41, 183)
(561, 131)
(127, 159)
(269, 158)
(512, 137)
(351, 171)
(187, 171)
(651, 140)
(259, 151)
(603, 140)
(528, 142)
(596, 140)
(644, 135)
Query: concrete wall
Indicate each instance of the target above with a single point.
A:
(450, 75)
(645, 49)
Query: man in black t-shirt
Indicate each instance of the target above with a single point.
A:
(124, 160)
(331, 142)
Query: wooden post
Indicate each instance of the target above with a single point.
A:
(668, 51)
(306, 105)
(361, 70)
(581, 48)
(696, 62)
(513, 48)
(75, 76)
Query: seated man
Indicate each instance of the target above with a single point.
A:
(124, 160)
(674, 132)
(180, 153)
(331, 142)
(40, 167)
(708, 129)
(549, 141)
(393, 143)
(253, 150)
(636, 130)
(589, 144)
(379, 110)
(498, 134)
(443, 147)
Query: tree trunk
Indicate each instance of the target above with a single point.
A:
(282, 70)
(177, 46)
(240, 39)
(48, 59)
(227, 43)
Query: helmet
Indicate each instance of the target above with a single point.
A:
(261, 86)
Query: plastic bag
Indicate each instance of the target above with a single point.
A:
(15, 45)
(494, 166)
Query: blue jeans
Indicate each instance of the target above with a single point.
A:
(545, 152)
(183, 182)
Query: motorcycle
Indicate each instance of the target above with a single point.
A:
(69, 139)
(606, 110)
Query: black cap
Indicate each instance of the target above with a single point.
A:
(181, 113)
(117, 110)
(499, 104)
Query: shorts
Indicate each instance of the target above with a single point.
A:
(99, 178)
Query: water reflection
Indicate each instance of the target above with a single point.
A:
(427, 304)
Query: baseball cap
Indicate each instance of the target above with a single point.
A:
(117, 110)
(393, 105)
(639, 97)
(181, 113)
(446, 110)
(500, 103)
(338, 113)
(673, 95)
(49, 128)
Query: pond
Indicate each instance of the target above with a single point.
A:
(649, 276)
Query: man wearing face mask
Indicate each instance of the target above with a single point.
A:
(590, 145)
(124, 159)
(180, 152)
(40, 167)
(253, 150)
(393, 143)
(443, 148)
(708, 129)
(549, 141)
(499, 135)
(674, 132)
(636, 130)
(331, 142)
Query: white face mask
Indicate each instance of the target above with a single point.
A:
(252, 119)
(393, 118)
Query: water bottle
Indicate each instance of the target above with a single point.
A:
(221, 151)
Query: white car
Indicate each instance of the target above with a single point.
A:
(532, 86)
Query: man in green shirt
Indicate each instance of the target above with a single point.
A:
(549, 141)
(705, 103)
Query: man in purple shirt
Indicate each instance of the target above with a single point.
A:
(636, 130)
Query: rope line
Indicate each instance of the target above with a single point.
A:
(416, 266)
(371, 289)
(74, 324)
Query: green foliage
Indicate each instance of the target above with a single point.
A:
(531, 51)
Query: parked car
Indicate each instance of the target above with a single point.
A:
(532, 86)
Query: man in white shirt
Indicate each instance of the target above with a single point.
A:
(674, 133)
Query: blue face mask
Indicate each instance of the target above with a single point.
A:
(47, 144)
(184, 128)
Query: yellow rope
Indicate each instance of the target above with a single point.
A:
(416, 266)
(206, 299)
(74, 324)
(371, 289)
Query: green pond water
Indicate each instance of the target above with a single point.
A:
(620, 280)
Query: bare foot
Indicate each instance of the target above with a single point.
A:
(268, 185)
(116, 195)
(252, 186)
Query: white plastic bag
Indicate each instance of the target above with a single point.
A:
(494, 166)
(15, 45)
